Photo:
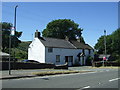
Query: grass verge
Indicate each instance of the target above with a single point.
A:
(57, 72)
(109, 67)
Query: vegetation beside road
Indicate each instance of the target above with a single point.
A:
(22, 50)
(112, 45)
(107, 67)
(18, 48)
(57, 72)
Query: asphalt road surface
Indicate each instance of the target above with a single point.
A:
(98, 79)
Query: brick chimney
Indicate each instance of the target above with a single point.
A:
(37, 34)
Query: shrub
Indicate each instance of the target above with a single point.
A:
(89, 60)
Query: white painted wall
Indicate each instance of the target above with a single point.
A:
(92, 53)
(36, 51)
(51, 57)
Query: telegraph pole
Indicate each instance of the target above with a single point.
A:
(10, 53)
(105, 47)
(105, 42)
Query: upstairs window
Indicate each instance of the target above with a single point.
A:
(50, 50)
(89, 51)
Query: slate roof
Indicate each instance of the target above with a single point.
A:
(62, 43)
(57, 43)
(81, 45)
(88, 46)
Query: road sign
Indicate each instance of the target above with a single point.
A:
(12, 31)
(104, 58)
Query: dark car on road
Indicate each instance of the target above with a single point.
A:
(30, 61)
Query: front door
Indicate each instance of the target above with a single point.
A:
(69, 60)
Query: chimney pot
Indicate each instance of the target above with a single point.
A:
(37, 34)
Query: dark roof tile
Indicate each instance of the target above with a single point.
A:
(62, 43)
(81, 45)
(57, 43)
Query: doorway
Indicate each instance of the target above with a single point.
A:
(69, 60)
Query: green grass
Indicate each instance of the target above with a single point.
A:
(57, 72)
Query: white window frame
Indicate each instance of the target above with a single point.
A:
(50, 50)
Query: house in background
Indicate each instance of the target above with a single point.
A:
(58, 51)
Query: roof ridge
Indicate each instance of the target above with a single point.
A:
(71, 44)
(54, 38)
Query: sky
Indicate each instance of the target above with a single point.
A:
(93, 17)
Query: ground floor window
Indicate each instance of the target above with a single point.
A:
(57, 58)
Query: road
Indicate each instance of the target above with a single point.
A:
(98, 79)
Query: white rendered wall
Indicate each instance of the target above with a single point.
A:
(36, 51)
(51, 57)
(39, 52)
(92, 53)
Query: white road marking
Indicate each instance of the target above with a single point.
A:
(113, 79)
(86, 87)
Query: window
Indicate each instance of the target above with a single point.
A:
(57, 58)
(89, 51)
(50, 50)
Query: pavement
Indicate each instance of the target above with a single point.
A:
(15, 74)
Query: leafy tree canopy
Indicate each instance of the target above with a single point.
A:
(112, 44)
(61, 28)
(6, 27)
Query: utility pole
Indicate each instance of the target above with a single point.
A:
(12, 32)
(15, 17)
(105, 42)
(15, 27)
(10, 53)
(105, 47)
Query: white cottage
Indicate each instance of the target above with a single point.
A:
(58, 51)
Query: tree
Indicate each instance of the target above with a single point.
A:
(61, 28)
(89, 60)
(99, 46)
(112, 43)
(5, 37)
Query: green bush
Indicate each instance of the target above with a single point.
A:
(89, 60)
(118, 60)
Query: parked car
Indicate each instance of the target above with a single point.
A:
(31, 61)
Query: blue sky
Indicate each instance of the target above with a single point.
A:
(93, 17)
